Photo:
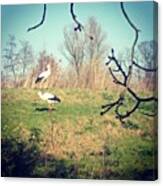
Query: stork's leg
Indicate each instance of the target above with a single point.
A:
(49, 108)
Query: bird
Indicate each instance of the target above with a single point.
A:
(50, 98)
(44, 75)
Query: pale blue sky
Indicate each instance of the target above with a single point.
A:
(15, 19)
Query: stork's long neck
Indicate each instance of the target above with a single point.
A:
(40, 94)
(48, 69)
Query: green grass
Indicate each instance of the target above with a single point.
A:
(22, 108)
(74, 141)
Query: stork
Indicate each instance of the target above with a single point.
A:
(44, 75)
(50, 98)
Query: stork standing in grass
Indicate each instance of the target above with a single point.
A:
(44, 75)
(50, 98)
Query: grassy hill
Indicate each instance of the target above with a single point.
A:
(74, 141)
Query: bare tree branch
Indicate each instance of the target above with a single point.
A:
(10, 66)
(115, 80)
(79, 26)
(119, 68)
(143, 68)
(41, 22)
(149, 114)
(133, 26)
(128, 113)
(120, 102)
(136, 30)
(111, 105)
(125, 83)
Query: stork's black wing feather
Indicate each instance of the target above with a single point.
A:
(55, 98)
(39, 79)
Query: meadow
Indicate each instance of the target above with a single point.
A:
(74, 140)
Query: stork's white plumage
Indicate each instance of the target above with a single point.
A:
(50, 98)
(44, 75)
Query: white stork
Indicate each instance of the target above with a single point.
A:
(44, 75)
(50, 98)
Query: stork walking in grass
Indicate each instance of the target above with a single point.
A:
(50, 98)
(44, 75)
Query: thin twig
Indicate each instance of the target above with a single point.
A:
(115, 80)
(111, 105)
(128, 113)
(143, 68)
(119, 68)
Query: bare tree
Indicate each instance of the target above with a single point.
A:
(148, 51)
(95, 51)
(16, 61)
(96, 48)
(26, 56)
(83, 52)
(74, 45)
(10, 57)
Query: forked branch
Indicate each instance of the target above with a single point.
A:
(79, 26)
(119, 69)
(109, 106)
(120, 102)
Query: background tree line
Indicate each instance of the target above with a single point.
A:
(86, 58)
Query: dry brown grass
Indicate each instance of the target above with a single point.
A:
(68, 140)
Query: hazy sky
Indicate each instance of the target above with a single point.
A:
(17, 18)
